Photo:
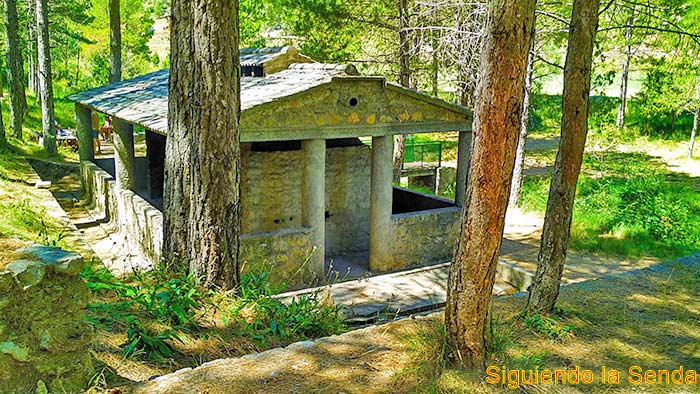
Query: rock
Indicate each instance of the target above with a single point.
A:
(26, 273)
(64, 262)
(42, 184)
(43, 332)
(14, 350)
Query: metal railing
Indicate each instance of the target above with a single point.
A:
(422, 155)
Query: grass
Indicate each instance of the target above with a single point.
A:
(157, 322)
(629, 205)
(637, 194)
(650, 320)
(24, 219)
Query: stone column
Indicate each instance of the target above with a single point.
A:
(123, 135)
(381, 196)
(84, 133)
(313, 200)
(463, 154)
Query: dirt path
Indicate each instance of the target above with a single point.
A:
(521, 242)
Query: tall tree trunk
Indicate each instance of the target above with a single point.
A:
(574, 127)
(497, 116)
(404, 80)
(693, 132)
(622, 105)
(674, 116)
(518, 170)
(15, 69)
(115, 42)
(45, 79)
(435, 65)
(202, 165)
(3, 138)
(32, 69)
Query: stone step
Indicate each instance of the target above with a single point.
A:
(384, 297)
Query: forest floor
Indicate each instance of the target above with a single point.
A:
(648, 318)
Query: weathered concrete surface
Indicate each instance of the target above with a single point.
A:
(313, 202)
(399, 293)
(381, 192)
(123, 135)
(43, 333)
(362, 361)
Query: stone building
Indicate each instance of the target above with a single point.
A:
(312, 191)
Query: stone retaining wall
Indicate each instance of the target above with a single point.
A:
(139, 224)
(425, 237)
(43, 333)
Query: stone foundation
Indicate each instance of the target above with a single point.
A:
(43, 333)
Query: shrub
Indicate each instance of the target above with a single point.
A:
(157, 307)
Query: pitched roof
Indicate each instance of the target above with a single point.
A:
(273, 59)
(144, 100)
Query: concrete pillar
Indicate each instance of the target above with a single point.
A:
(313, 201)
(84, 133)
(463, 154)
(123, 135)
(381, 195)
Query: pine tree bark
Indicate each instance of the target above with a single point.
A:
(115, 42)
(404, 80)
(693, 132)
(622, 105)
(3, 137)
(32, 71)
(574, 128)
(45, 79)
(519, 168)
(202, 165)
(15, 69)
(497, 116)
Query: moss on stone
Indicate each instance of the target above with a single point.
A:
(43, 332)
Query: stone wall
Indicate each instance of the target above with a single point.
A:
(138, 223)
(271, 194)
(43, 333)
(347, 199)
(425, 236)
(140, 226)
(282, 253)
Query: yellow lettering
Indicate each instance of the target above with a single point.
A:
(649, 376)
(492, 375)
(546, 377)
(513, 379)
(635, 374)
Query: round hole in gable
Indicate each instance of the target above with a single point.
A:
(354, 101)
